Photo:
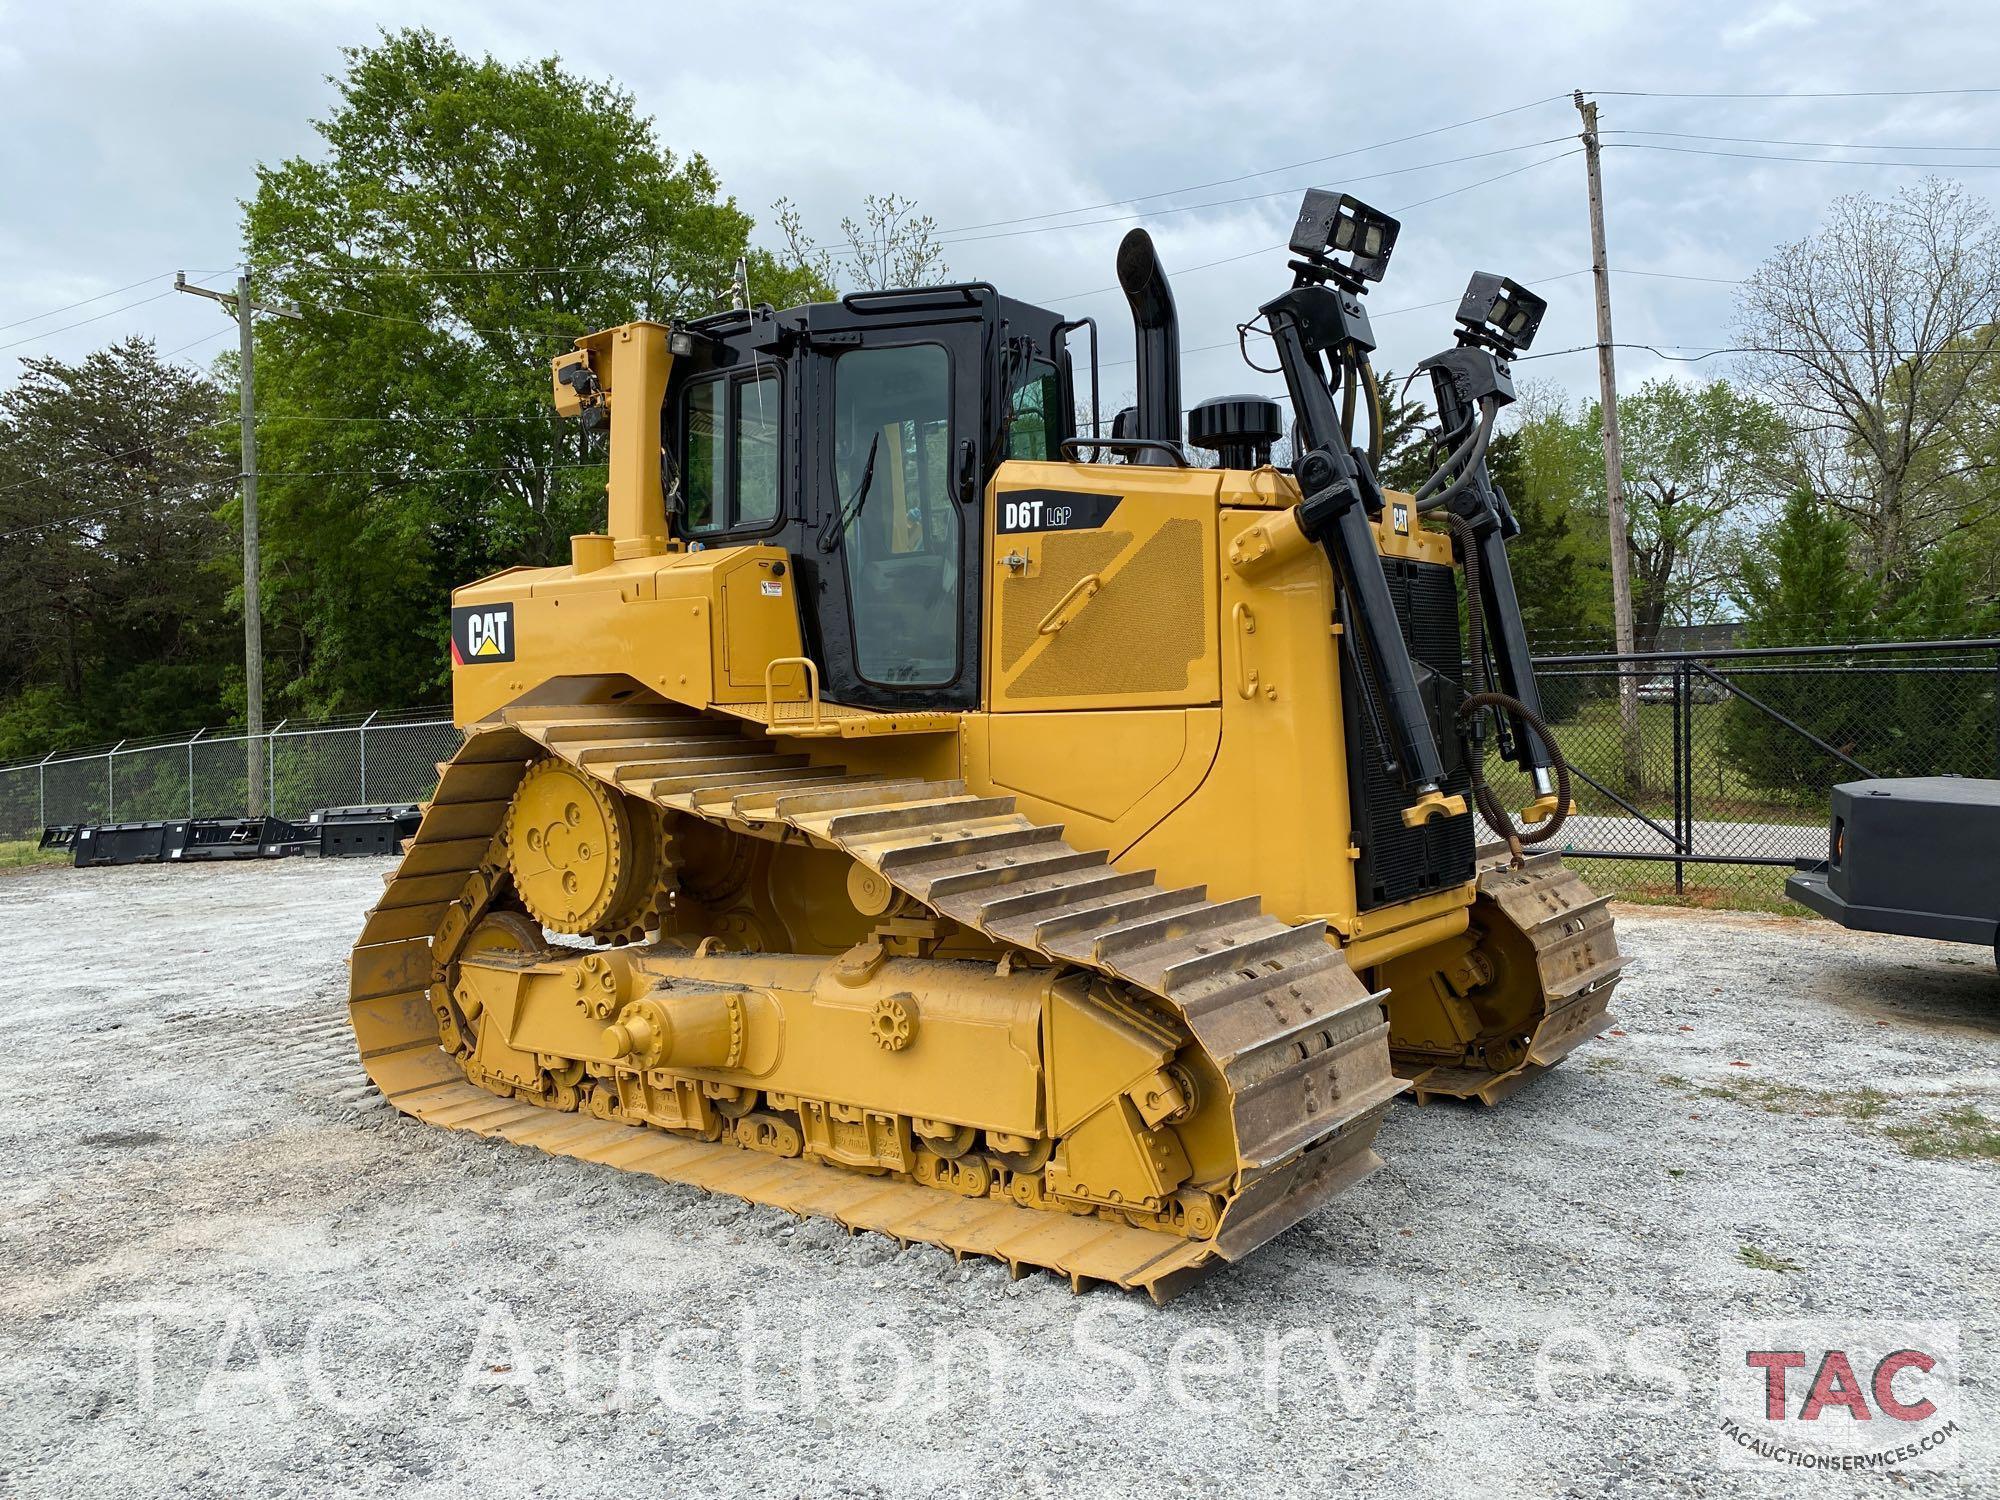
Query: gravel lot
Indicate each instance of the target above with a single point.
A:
(230, 1268)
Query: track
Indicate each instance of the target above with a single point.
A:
(1299, 1039)
(1572, 946)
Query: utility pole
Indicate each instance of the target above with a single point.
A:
(243, 307)
(1614, 464)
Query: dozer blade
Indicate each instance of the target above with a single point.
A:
(1558, 952)
(1297, 1043)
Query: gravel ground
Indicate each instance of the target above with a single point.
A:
(229, 1268)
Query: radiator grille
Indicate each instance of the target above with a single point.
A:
(1399, 863)
(1140, 634)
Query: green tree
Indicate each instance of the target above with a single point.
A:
(1801, 588)
(467, 219)
(1552, 469)
(1700, 465)
(1809, 585)
(1408, 453)
(1549, 578)
(116, 569)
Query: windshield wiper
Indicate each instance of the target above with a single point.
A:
(835, 530)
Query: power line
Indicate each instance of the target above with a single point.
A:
(1821, 161)
(1842, 94)
(98, 318)
(1279, 249)
(1677, 276)
(83, 302)
(1249, 176)
(1284, 192)
(1758, 140)
(1387, 312)
(1710, 351)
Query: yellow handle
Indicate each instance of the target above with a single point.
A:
(770, 687)
(1246, 626)
(1055, 619)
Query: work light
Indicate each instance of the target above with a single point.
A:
(1501, 311)
(1343, 224)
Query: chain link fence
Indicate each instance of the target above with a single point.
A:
(1702, 776)
(378, 758)
(1698, 776)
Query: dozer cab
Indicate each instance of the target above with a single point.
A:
(914, 811)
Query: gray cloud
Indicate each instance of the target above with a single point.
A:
(128, 135)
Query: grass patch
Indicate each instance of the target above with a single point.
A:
(1961, 1133)
(1789, 1099)
(1750, 888)
(1763, 1260)
(22, 854)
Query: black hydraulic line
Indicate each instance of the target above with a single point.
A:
(1528, 720)
(1334, 513)
(1453, 463)
(1372, 388)
(1481, 542)
(1469, 472)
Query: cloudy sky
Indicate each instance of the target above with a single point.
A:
(1036, 135)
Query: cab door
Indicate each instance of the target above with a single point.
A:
(894, 471)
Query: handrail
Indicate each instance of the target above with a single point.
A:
(1088, 585)
(1161, 445)
(853, 300)
(770, 687)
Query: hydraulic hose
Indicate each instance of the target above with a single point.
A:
(1473, 452)
(1482, 697)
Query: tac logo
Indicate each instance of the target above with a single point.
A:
(1814, 1394)
(482, 633)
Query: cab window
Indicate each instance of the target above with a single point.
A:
(899, 533)
(1034, 405)
(729, 471)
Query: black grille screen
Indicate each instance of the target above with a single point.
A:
(1399, 863)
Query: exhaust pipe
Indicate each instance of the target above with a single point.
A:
(1157, 330)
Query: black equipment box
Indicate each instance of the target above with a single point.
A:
(1919, 856)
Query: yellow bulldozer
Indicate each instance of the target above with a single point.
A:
(1053, 847)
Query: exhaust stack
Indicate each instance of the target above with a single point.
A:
(1157, 330)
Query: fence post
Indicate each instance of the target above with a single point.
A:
(271, 768)
(1996, 712)
(110, 790)
(1683, 774)
(191, 739)
(364, 755)
(42, 786)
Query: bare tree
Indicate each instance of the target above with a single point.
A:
(1871, 334)
(892, 245)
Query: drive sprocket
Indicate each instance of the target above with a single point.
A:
(572, 851)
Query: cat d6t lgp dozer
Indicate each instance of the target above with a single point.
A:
(1039, 845)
